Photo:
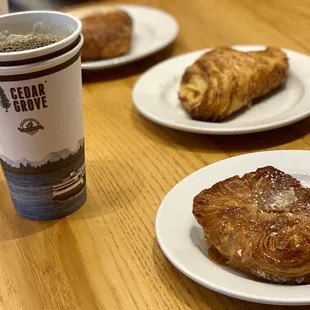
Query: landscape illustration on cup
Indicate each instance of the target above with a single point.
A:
(58, 179)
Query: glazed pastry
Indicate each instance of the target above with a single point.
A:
(259, 223)
(107, 32)
(225, 80)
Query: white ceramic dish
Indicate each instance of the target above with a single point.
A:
(155, 95)
(180, 237)
(153, 30)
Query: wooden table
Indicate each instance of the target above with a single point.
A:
(105, 256)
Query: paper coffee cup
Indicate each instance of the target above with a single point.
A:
(41, 135)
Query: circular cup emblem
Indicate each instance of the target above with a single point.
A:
(30, 126)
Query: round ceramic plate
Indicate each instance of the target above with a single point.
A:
(153, 30)
(181, 238)
(155, 95)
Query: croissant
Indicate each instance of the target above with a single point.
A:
(225, 80)
(107, 32)
(260, 224)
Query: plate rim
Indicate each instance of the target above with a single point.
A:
(203, 129)
(91, 65)
(196, 278)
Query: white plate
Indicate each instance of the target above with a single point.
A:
(153, 30)
(155, 96)
(180, 237)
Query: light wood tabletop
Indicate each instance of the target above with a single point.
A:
(105, 256)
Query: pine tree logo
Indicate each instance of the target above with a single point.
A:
(4, 101)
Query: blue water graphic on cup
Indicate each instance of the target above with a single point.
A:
(50, 189)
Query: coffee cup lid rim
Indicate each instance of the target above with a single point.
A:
(42, 65)
(20, 55)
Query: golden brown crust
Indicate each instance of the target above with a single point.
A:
(225, 80)
(260, 223)
(107, 34)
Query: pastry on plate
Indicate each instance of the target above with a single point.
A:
(225, 80)
(259, 223)
(107, 32)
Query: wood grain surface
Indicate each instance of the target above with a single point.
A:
(105, 256)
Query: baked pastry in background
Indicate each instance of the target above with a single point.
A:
(259, 223)
(107, 32)
(225, 80)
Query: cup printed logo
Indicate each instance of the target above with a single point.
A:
(29, 98)
(24, 99)
(30, 126)
(4, 101)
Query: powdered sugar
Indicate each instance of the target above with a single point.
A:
(300, 280)
(283, 198)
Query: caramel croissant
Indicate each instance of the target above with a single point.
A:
(224, 81)
(259, 223)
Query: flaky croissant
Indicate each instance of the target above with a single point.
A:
(107, 32)
(225, 80)
(259, 223)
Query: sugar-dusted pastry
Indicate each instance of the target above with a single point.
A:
(107, 32)
(225, 80)
(259, 223)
